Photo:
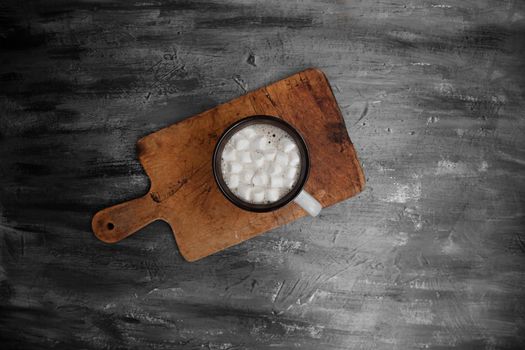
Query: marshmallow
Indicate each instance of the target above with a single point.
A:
(260, 179)
(234, 168)
(274, 169)
(294, 158)
(286, 145)
(233, 181)
(241, 144)
(260, 143)
(248, 132)
(229, 154)
(288, 183)
(258, 159)
(258, 195)
(291, 172)
(261, 164)
(245, 192)
(269, 154)
(247, 175)
(281, 158)
(245, 157)
(276, 181)
(272, 194)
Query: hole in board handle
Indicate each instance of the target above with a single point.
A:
(110, 226)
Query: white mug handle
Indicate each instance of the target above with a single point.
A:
(308, 203)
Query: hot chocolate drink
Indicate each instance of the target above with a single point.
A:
(260, 163)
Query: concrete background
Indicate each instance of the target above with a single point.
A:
(429, 256)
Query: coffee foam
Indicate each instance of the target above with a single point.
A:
(260, 163)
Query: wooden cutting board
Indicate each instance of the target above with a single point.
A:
(178, 161)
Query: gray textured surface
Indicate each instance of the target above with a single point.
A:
(430, 255)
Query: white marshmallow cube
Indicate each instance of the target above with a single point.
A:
(281, 158)
(260, 143)
(234, 168)
(241, 144)
(233, 181)
(258, 195)
(245, 157)
(269, 154)
(288, 183)
(258, 159)
(274, 169)
(291, 173)
(245, 192)
(294, 158)
(246, 176)
(276, 181)
(229, 154)
(272, 194)
(248, 132)
(287, 145)
(260, 179)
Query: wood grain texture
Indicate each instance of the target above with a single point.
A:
(431, 255)
(183, 190)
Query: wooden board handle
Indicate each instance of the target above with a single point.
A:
(115, 223)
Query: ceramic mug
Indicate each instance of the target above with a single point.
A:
(297, 194)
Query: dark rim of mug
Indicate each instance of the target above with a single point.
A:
(303, 154)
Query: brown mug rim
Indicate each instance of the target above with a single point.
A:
(303, 154)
